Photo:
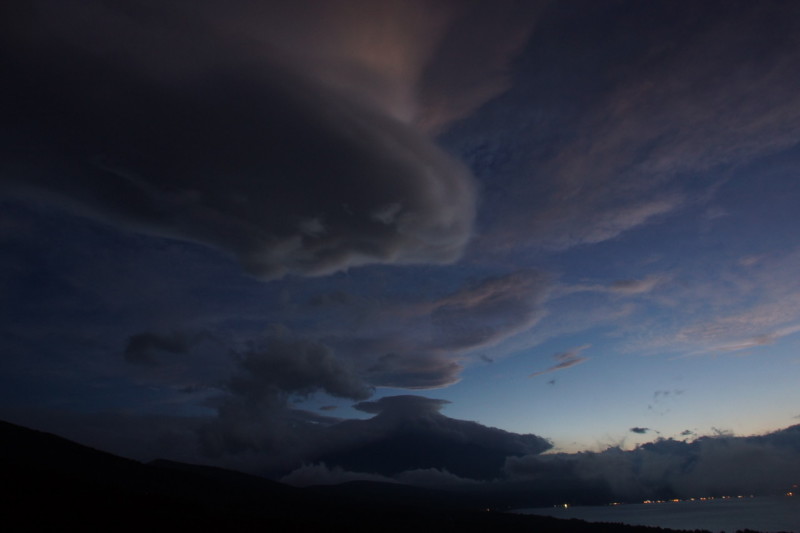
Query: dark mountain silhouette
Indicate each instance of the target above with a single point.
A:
(52, 483)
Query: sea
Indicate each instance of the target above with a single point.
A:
(765, 514)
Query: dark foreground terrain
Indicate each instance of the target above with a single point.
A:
(52, 484)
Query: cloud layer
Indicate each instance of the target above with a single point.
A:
(709, 466)
(669, 99)
(294, 146)
(423, 343)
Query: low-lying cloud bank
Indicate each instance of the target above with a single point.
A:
(709, 466)
(407, 433)
(409, 441)
(721, 465)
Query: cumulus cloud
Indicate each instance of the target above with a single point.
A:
(408, 440)
(253, 414)
(203, 133)
(253, 404)
(708, 466)
(409, 433)
(638, 430)
(277, 367)
(565, 360)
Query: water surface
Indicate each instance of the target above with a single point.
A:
(728, 515)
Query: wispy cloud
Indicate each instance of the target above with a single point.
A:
(636, 286)
(424, 343)
(565, 360)
(719, 306)
(759, 340)
(632, 286)
(718, 97)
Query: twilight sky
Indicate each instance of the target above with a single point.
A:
(283, 236)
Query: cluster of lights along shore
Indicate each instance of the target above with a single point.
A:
(791, 492)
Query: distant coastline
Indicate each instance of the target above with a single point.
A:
(762, 513)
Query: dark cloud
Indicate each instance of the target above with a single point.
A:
(410, 441)
(141, 348)
(565, 360)
(640, 431)
(253, 413)
(407, 440)
(195, 122)
(253, 398)
(407, 405)
(409, 433)
(275, 368)
(720, 432)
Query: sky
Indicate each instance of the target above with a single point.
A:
(297, 238)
